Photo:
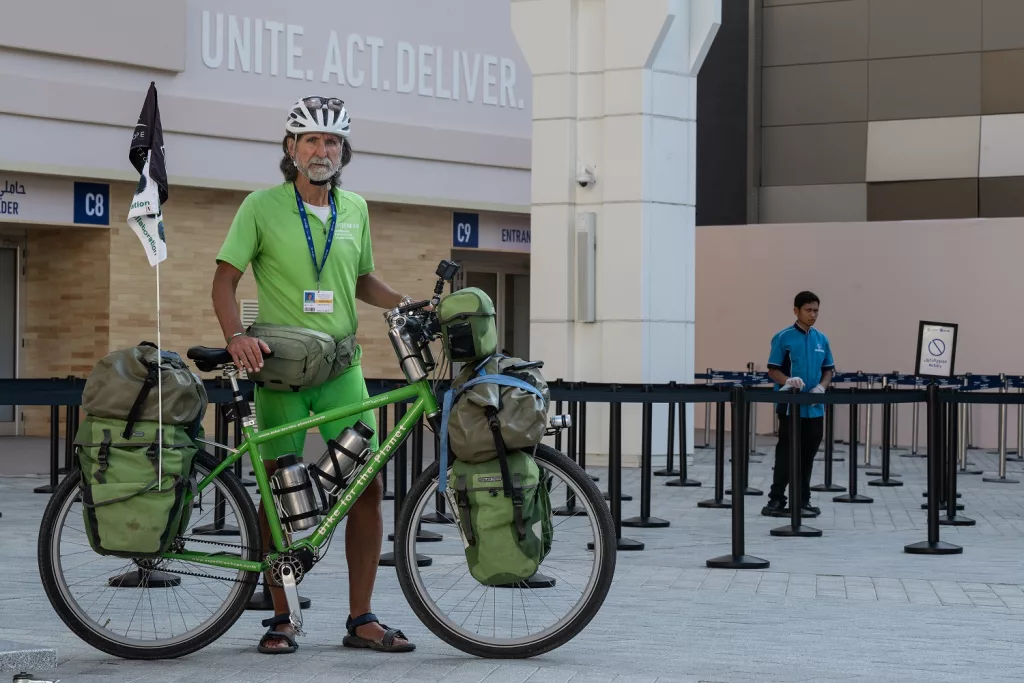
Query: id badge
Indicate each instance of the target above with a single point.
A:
(317, 301)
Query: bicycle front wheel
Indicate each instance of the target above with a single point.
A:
(520, 620)
(151, 609)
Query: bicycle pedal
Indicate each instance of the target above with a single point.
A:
(291, 594)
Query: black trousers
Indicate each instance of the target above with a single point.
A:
(811, 432)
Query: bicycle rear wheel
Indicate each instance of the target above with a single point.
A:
(150, 609)
(459, 610)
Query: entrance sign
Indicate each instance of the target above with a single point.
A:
(29, 198)
(491, 233)
(465, 230)
(936, 348)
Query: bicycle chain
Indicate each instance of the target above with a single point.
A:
(210, 576)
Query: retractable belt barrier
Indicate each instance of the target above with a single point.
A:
(947, 403)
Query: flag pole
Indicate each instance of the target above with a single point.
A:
(159, 388)
(145, 217)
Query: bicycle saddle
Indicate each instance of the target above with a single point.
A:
(209, 359)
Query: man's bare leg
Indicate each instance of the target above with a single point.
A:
(364, 536)
(276, 592)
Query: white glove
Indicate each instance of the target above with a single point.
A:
(818, 390)
(794, 382)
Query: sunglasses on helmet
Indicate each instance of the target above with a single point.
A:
(330, 103)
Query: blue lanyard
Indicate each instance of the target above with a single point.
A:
(309, 235)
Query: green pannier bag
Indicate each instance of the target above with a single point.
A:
(506, 537)
(133, 493)
(118, 385)
(301, 357)
(468, 329)
(521, 413)
(134, 484)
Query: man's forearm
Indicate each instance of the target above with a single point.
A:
(826, 379)
(224, 304)
(374, 291)
(777, 375)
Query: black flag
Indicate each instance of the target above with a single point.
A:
(149, 137)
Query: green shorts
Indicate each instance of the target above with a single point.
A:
(275, 408)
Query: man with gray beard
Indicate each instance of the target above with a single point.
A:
(308, 242)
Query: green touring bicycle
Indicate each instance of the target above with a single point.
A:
(186, 598)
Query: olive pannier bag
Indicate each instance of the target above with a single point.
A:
(468, 329)
(522, 411)
(135, 481)
(301, 357)
(129, 509)
(115, 383)
(506, 537)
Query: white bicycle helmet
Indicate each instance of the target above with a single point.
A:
(316, 114)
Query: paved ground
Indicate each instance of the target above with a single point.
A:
(849, 606)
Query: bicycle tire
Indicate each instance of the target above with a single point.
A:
(606, 571)
(246, 515)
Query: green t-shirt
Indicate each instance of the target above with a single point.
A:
(267, 232)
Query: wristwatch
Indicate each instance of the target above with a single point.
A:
(406, 300)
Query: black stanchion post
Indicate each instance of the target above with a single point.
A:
(669, 470)
(615, 477)
(739, 558)
(569, 509)
(608, 493)
(582, 435)
(886, 446)
(933, 546)
(645, 521)
(853, 496)
(718, 501)
(943, 431)
(70, 427)
(795, 528)
(401, 488)
(951, 455)
(422, 536)
(54, 452)
(217, 527)
(830, 425)
(684, 479)
(438, 516)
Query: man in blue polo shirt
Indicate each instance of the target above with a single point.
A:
(800, 360)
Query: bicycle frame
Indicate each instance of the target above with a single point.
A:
(425, 404)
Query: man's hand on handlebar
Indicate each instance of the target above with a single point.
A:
(247, 352)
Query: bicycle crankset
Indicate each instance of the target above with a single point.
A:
(288, 571)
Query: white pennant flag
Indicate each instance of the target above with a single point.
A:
(146, 218)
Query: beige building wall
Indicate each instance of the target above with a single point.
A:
(876, 280)
(91, 290)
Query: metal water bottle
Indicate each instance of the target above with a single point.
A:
(294, 491)
(405, 348)
(342, 457)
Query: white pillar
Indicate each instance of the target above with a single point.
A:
(614, 90)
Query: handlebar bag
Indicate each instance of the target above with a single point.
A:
(468, 329)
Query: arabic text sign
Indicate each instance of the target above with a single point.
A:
(936, 349)
(26, 198)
